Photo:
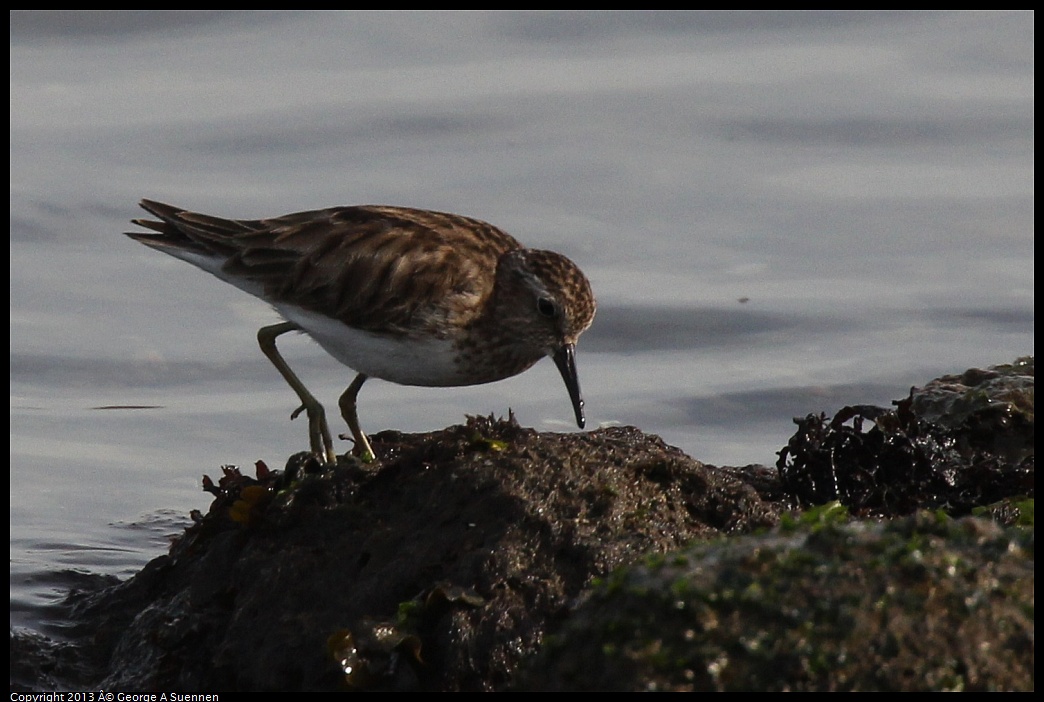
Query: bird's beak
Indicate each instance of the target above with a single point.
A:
(565, 359)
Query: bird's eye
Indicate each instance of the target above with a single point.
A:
(546, 307)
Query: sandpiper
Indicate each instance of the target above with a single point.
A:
(411, 296)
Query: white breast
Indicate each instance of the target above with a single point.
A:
(404, 361)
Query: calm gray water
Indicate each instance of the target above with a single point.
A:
(780, 213)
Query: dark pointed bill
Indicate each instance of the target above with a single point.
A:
(565, 359)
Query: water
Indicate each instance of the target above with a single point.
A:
(780, 213)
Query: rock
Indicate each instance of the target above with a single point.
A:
(440, 568)
(488, 557)
(918, 603)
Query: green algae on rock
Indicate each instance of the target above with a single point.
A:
(920, 603)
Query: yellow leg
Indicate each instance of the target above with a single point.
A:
(318, 431)
(351, 416)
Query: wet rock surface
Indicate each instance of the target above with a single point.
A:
(917, 603)
(490, 557)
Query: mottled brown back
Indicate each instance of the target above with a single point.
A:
(372, 267)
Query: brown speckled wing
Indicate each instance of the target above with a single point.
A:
(372, 267)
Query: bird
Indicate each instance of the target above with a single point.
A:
(411, 296)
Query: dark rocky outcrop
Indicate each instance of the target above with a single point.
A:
(887, 550)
